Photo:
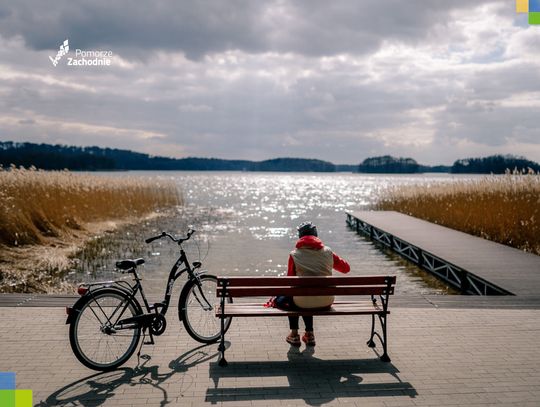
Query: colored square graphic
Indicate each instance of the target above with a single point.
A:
(534, 18)
(16, 398)
(534, 6)
(7, 381)
(7, 398)
(522, 6)
(23, 398)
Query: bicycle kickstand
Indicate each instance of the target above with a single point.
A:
(151, 341)
(143, 342)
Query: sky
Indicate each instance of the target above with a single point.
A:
(343, 80)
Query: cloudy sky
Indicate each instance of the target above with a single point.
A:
(435, 80)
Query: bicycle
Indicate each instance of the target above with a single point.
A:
(107, 321)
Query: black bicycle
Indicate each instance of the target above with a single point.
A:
(107, 321)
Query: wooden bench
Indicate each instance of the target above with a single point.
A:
(378, 288)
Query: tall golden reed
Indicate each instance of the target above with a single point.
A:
(38, 204)
(505, 209)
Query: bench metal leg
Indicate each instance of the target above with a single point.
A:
(221, 348)
(384, 357)
(371, 342)
(383, 338)
(222, 361)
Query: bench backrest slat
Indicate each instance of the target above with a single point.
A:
(321, 281)
(305, 291)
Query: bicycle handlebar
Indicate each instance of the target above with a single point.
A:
(151, 239)
(178, 240)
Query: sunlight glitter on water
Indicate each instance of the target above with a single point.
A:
(261, 211)
(246, 223)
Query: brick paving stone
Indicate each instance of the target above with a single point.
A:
(440, 356)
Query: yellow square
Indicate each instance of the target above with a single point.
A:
(522, 6)
(23, 398)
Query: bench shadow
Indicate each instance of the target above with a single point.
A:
(314, 380)
(98, 388)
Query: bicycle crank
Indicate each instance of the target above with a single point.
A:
(158, 324)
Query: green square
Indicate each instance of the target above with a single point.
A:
(534, 18)
(23, 398)
(7, 398)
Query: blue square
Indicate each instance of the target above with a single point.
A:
(534, 6)
(7, 380)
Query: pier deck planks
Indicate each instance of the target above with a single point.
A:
(508, 268)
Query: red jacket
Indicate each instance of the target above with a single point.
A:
(314, 242)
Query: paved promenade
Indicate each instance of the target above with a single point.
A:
(440, 356)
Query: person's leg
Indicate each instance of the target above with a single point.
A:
(287, 303)
(293, 324)
(308, 321)
(309, 336)
(293, 338)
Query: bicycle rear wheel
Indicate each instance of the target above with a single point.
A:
(196, 309)
(95, 336)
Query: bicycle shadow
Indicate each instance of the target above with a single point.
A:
(96, 389)
(303, 376)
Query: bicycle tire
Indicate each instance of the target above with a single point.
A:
(202, 325)
(86, 330)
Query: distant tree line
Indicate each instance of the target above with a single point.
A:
(49, 157)
(389, 165)
(57, 157)
(496, 164)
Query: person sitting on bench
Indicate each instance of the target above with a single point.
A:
(310, 258)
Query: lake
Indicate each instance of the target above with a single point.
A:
(246, 224)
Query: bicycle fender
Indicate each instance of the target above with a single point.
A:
(183, 295)
(185, 289)
(201, 272)
(76, 308)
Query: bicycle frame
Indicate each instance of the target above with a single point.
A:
(132, 290)
(174, 274)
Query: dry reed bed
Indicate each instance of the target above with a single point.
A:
(505, 209)
(60, 208)
(39, 204)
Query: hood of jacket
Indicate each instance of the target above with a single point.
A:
(309, 242)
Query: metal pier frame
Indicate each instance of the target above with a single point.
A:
(454, 276)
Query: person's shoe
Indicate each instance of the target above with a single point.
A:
(293, 340)
(309, 339)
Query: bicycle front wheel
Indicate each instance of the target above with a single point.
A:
(196, 309)
(96, 338)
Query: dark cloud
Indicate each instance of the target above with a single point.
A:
(197, 28)
(136, 27)
(342, 80)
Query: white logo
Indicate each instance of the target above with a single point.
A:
(83, 57)
(64, 48)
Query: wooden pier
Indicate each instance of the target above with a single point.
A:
(471, 264)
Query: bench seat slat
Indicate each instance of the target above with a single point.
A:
(304, 291)
(338, 308)
(320, 281)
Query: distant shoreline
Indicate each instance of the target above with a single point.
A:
(73, 158)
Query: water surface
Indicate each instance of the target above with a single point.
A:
(247, 222)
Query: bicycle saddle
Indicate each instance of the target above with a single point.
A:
(129, 264)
